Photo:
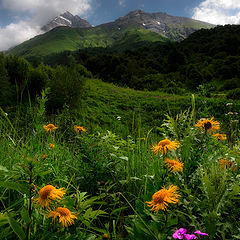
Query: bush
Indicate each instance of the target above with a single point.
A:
(234, 94)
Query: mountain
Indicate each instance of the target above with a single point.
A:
(174, 28)
(68, 20)
(136, 29)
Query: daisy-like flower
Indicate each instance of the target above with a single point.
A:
(209, 125)
(174, 165)
(49, 128)
(220, 137)
(164, 146)
(78, 129)
(51, 145)
(224, 163)
(65, 216)
(49, 193)
(163, 197)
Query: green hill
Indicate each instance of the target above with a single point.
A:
(69, 39)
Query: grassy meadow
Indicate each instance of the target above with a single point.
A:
(125, 164)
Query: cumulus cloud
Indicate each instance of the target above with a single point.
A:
(218, 11)
(16, 33)
(41, 11)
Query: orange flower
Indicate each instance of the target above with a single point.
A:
(174, 165)
(164, 146)
(163, 197)
(65, 216)
(51, 145)
(49, 193)
(44, 156)
(79, 129)
(225, 164)
(50, 128)
(220, 137)
(208, 125)
(105, 235)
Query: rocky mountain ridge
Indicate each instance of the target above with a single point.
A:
(66, 19)
(175, 28)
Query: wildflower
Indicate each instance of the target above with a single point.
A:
(49, 193)
(164, 196)
(65, 216)
(164, 146)
(78, 129)
(50, 128)
(174, 165)
(179, 234)
(208, 125)
(190, 236)
(224, 163)
(220, 137)
(105, 235)
(51, 145)
(201, 233)
(44, 156)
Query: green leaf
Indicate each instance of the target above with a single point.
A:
(16, 227)
(20, 187)
(25, 216)
(3, 219)
(4, 169)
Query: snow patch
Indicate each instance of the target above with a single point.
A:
(65, 19)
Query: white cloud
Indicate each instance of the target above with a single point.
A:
(122, 3)
(218, 11)
(41, 11)
(14, 34)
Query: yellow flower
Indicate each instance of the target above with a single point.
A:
(65, 216)
(208, 125)
(220, 137)
(164, 146)
(51, 145)
(174, 165)
(105, 235)
(79, 129)
(50, 128)
(225, 164)
(49, 193)
(163, 197)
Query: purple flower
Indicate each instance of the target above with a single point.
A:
(201, 233)
(190, 236)
(179, 234)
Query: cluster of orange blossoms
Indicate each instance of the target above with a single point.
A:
(163, 197)
(211, 126)
(225, 164)
(51, 128)
(49, 194)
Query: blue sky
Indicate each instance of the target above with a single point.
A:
(22, 19)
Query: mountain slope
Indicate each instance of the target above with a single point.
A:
(175, 28)
(134, 30)
(69, 39)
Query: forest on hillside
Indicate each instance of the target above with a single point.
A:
(208, 58)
